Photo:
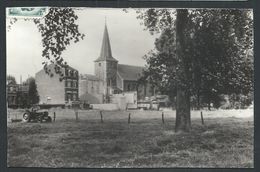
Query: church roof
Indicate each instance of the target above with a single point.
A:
(51, 66)
(89, 77)
(106, 52)
(10, 82)
(130, 73)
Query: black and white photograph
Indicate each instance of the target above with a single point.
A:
(129, 87)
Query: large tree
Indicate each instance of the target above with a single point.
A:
(33, 97)
(199, 52)
(183, 122)
(226, 40)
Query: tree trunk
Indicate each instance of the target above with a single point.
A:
(183, 122)
(198, 100)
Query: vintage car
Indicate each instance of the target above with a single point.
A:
(35, 114)
(144, 104)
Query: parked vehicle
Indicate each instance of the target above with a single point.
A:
(144, 104)
(163, 100)
(35, 114)
(154, 102)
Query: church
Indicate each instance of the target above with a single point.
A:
(111, 77)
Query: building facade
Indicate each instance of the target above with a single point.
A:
(17, 94)
(54, 90)
(12, 91)
(91, 89)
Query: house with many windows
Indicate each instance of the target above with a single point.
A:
(56, 90)
(17, 94)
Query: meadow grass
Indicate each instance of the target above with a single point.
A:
(145, 142)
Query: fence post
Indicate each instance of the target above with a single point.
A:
(54, 116)
(129, 116)
(162, 117)
(202, 120)
(76, 114)
(101, 116)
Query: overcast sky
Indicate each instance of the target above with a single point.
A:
(129, 42)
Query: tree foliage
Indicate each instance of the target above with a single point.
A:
(218, 51)
(226, 40)
(58, 30)
(33, 96)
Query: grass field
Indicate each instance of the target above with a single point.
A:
(226, 140)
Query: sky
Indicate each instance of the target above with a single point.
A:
(129, 42)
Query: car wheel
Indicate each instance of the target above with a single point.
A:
(26, 117)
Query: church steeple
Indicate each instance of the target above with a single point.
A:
(106, 52)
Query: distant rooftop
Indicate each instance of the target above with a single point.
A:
(51, 66)
(128, 72)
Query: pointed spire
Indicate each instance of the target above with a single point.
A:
(106, 48)
(106, 53)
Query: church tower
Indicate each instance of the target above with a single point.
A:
(106, 65)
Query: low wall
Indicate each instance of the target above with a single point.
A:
(125, 100)
(131, 106)
(109, 106)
